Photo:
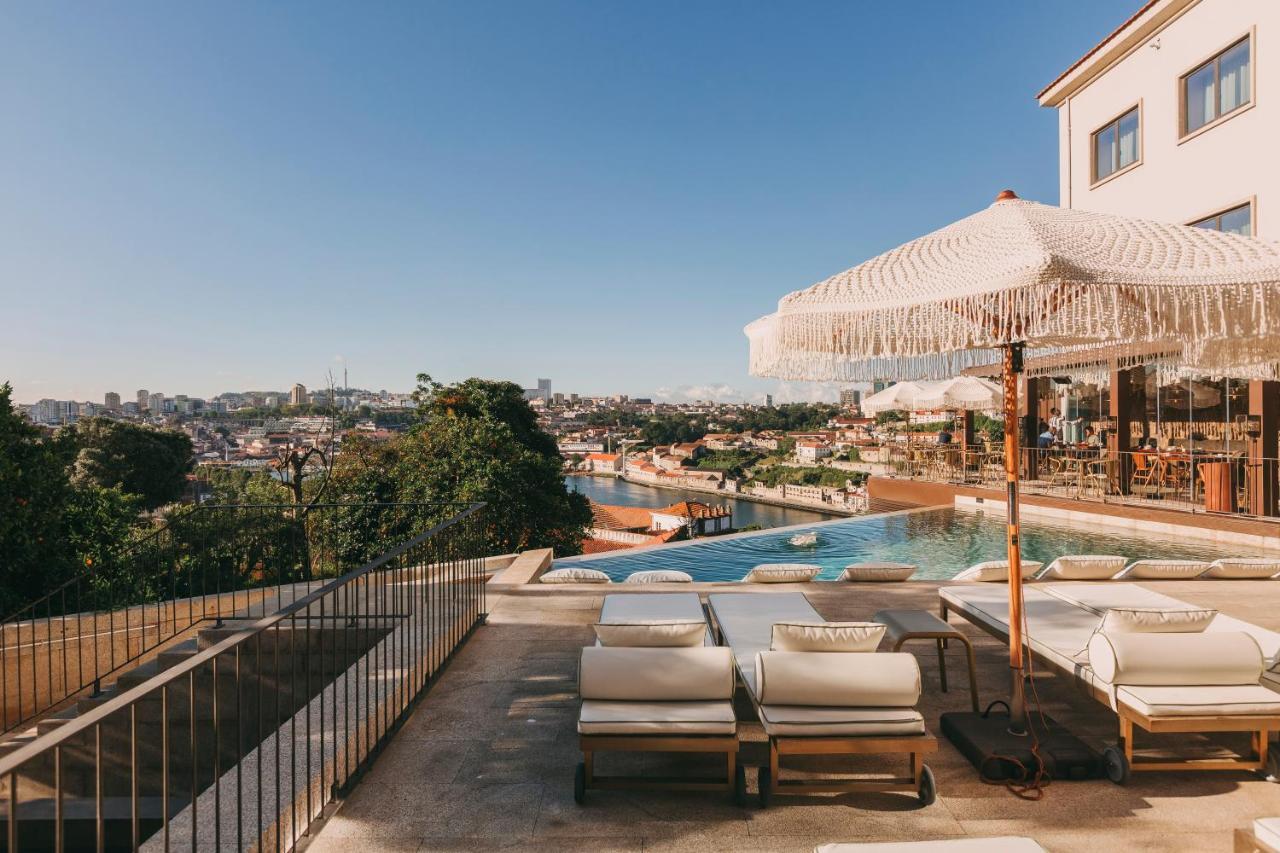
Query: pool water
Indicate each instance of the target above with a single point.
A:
(941, 542)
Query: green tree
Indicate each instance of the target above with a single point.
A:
(34, 494)
(150, 463)
(476, 440)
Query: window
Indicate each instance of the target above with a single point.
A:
(1116, 146)
(1237, 220)
(1218, 87)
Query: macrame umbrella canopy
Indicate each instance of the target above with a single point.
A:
(1053, 278)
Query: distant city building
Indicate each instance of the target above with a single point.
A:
(271, 401)
(298, 396)
(542, 392)
(131, 408)
(768, 400)
(850, 398)
(144, 399)
(111, 401)
(155, 403)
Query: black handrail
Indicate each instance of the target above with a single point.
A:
(345, 663)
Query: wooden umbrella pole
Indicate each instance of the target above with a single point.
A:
(1012, 367)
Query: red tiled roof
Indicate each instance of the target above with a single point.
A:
(612, 517)
(602, 457)
(695, 509)
(600, 546)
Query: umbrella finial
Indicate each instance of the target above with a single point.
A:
(1006, 195)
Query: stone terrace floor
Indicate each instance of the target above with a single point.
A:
(486, 760)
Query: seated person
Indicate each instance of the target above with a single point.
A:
(1091, 438)
(944, 436)
(1046, 438)
(1152, 444)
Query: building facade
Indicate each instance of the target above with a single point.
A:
(1168, 118)
(111, 401)
(144, 399)
(298, 396)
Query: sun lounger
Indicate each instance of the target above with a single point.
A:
(657, 698)
(824, 703)
(1262, 837)
(1164, 699)
(1099, 598)
(1002, 844)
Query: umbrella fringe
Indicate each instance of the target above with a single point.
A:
(1230, 322)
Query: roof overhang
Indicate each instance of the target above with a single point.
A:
(1144, 23)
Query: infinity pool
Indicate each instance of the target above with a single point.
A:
(942, 542)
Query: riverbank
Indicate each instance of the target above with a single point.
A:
(747, 509)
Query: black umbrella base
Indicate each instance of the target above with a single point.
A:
(985, 740)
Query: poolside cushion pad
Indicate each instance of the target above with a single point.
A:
(1164, 570)
(1201, 701)
(878, 572)
(574, 576)
(746, 620)
(996, 571)
(1085, 567)
(601, 717)
(1133, 620)
(659, 576)
(808, 721)
(658, 633)
(1168, 660)
(650, 606)
(1267, 830)
(1242, 568)
(655, 675)
(834, 679)
(826, 636)
(1000, 844)
(782, 573)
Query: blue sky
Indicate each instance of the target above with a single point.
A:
(209, 197)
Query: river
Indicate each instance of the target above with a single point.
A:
(611, 490)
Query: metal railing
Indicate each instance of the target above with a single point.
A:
(242, 745)
(207, 564)
(1204, 481)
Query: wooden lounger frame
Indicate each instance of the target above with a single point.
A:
(732, 781)
(1260, 727)
(771, 782)
(913, 746)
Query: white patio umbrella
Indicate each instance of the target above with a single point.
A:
(961, 394)
(900, 396)
(1020, 274)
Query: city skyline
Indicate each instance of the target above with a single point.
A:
(272, 192)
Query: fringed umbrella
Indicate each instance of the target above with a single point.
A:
(900, 396)
(1021, 274)
(961, 394)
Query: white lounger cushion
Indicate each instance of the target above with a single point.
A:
(1001, 844)
(1171, 660)
(1085, 567)
(1164, 570)
(808, 721)
(1099, 597)
(655, 675)
(656, 634)
(834, 679)
(605, 717)
(996, 571)
(1267, 830)
(665, 576)
(1201, 701)
(826, 636)
(880, 572)
(782, 573)
(1128, 620)
(1239, 568)
(655, 606)
(746, 620)
(574, 576)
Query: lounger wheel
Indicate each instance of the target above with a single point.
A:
(1117, 766)
(740, 785)
(765, 782)
(580, 783)
(928, 789)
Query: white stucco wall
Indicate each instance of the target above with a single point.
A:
(1181, 180)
